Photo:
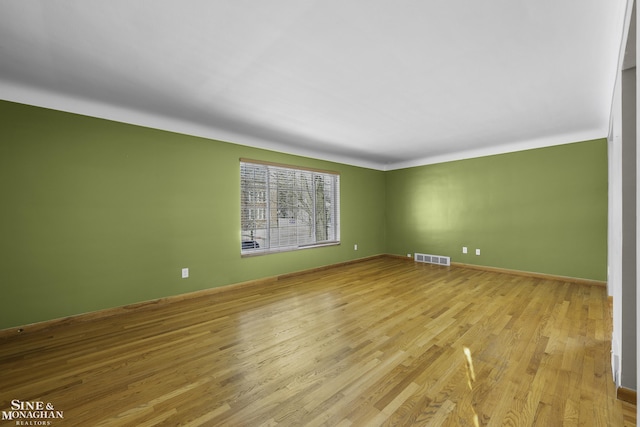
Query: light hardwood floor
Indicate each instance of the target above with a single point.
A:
(379, 342)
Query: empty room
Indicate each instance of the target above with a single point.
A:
(304, 213)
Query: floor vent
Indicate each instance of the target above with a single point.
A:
(433, 259)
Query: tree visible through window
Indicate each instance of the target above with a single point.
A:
(286, 208)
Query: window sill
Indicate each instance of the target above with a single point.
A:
(258, 252)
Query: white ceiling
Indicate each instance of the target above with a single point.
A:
(373, 83)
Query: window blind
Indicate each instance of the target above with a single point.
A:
(287, 208)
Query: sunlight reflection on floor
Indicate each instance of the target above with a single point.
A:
(471, 377)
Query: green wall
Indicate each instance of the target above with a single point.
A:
(542, 210)
(98, 214)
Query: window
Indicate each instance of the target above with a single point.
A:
(286, 208)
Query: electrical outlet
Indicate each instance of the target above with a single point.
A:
(477, 251)
(409, 255)
(464, 250)
(355, 247)
(185, 273)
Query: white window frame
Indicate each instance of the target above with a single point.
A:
(298, 208)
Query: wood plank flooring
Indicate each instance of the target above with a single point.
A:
(375, 343)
